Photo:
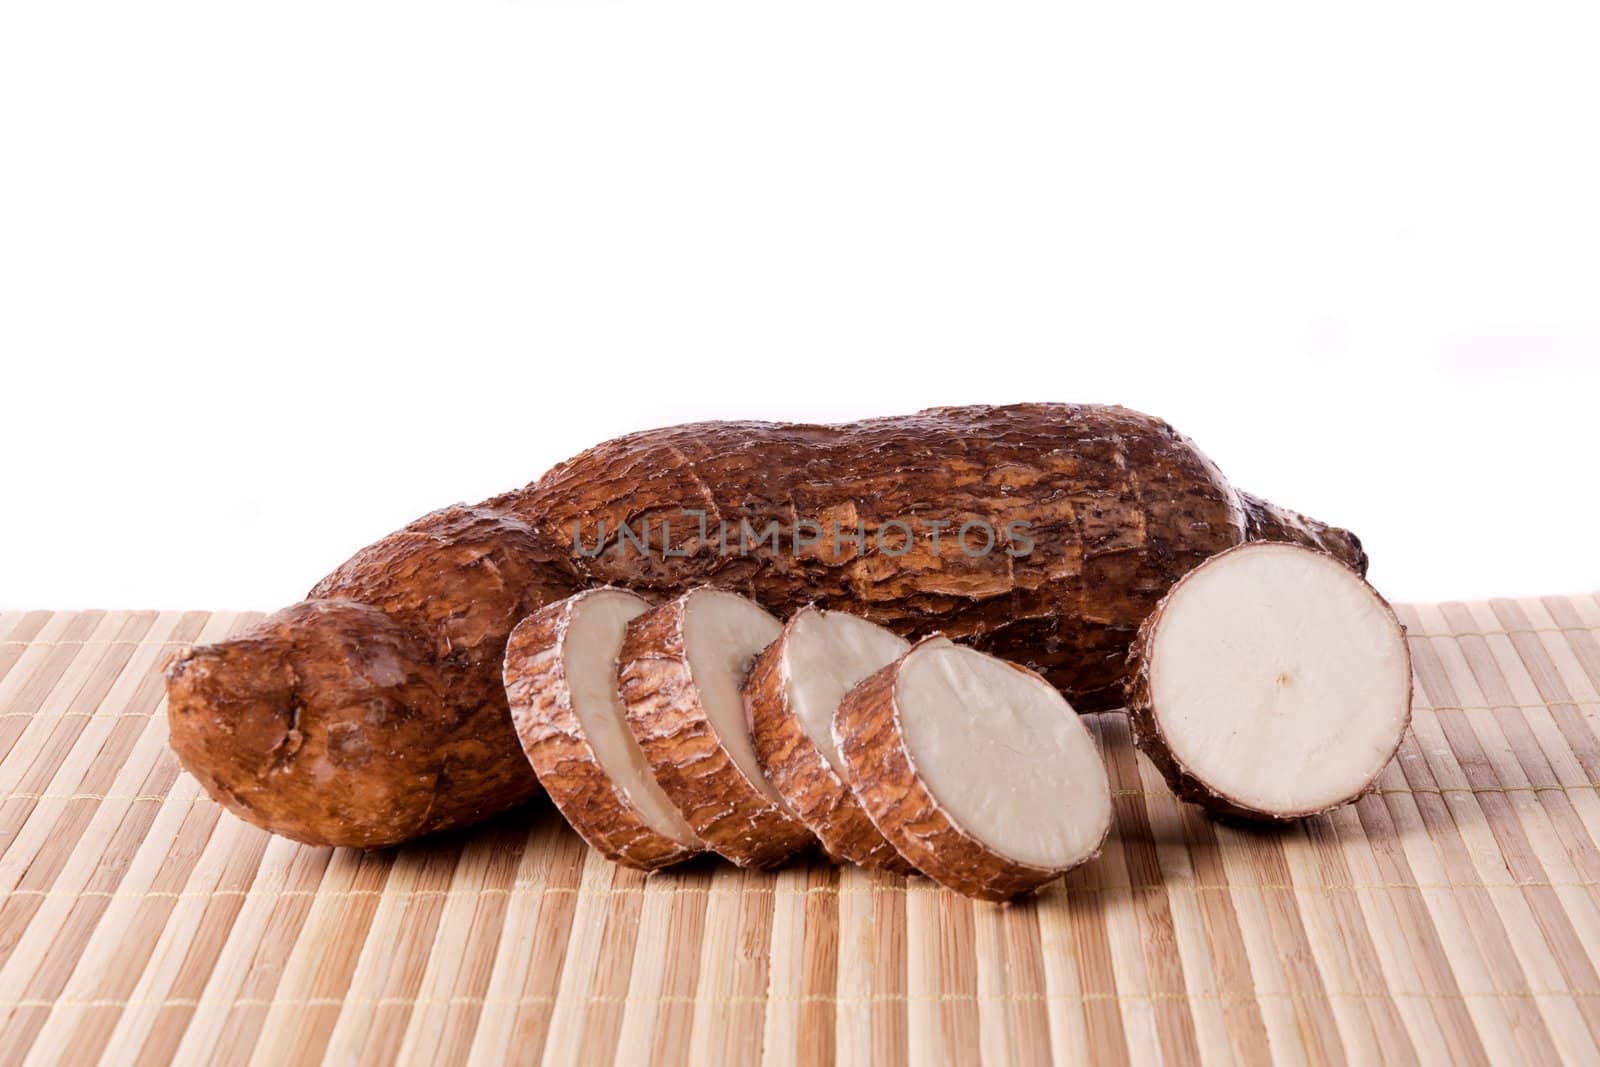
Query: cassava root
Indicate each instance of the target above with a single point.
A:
(374, 712)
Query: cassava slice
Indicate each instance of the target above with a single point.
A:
(1272, 682)
(794, 689)
(561, 682)
(978, 770)
(683, 666)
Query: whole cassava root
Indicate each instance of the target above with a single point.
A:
(1090, 514)
(1114, 507)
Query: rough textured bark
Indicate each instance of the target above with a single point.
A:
(1119, 506)
(257, 752)
(558, 747)
(729, 812)
(374, 712)
(813, 791)
(886, 783)
(1147, 736)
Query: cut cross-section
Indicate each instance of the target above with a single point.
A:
(561, 682)
(976, 769)
(1272, 682)
(791, 697)
(683, 666)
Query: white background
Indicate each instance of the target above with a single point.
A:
(277, 277)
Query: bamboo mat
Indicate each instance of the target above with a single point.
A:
(1451, 917)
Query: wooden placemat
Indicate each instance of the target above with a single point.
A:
(1451, 917)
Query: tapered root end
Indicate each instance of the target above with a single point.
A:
(326, 724)
(1265, 521)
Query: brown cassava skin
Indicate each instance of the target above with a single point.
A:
(813, 791)
(1150, 740)
(905, 812)
(1119, 507)
(730, 813)
(559, 751)
(374, 712)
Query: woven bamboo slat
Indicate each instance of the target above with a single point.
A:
(1453, 916)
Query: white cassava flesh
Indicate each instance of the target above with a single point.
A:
(978, 770)
(792, 694)
(683, 667)
(1272, 682)
(561, 683)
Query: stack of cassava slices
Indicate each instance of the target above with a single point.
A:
(1272, 682)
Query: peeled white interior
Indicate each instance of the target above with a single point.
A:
(594, 637)
(722, 635)
(826, 655)
(1004, 754)
(1279, 679)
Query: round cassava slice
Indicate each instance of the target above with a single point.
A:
(794, 689)
(561, 683)
(978, 770)
(683, 667)
(1272, 682)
